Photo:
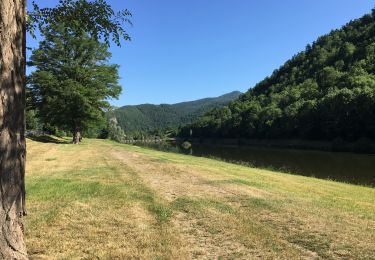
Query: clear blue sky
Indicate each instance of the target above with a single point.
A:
(188, 49)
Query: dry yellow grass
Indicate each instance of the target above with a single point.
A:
(103, 200)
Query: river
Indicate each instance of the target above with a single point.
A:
(345, 167)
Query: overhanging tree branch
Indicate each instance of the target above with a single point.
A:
(94, 17)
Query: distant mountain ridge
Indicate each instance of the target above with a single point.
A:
(149, 117)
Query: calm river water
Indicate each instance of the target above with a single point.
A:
(347, 167)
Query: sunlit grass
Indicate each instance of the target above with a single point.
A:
(110, 201)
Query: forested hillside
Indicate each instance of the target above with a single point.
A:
(325, 92)
(149, 117)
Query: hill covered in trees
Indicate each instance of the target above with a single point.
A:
(326, 92)
(148, 117)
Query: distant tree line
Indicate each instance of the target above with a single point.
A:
(325, 92)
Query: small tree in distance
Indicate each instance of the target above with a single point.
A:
(72, 80)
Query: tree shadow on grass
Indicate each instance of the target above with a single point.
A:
(48, 139)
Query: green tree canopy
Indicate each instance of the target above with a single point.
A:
(72, 80)
(95, 17)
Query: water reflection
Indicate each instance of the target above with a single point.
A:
(347, 167)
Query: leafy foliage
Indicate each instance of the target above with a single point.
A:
(324, 92)
(73, 79)
(96, 17)
(32, 122)
(115, 132)
(148, 118)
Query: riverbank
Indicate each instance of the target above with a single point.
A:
(363, 146)
(352, 168)
(109, 200)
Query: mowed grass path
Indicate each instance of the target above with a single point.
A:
(103, 200)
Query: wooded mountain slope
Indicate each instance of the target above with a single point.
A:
(325, 92)
(148, 117)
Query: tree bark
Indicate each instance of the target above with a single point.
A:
(12, 128)
(77, 136)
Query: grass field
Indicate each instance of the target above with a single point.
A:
(103, 200)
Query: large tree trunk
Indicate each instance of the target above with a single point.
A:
(12, 128)
(77, 136)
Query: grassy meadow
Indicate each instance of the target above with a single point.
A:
(104, 200)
